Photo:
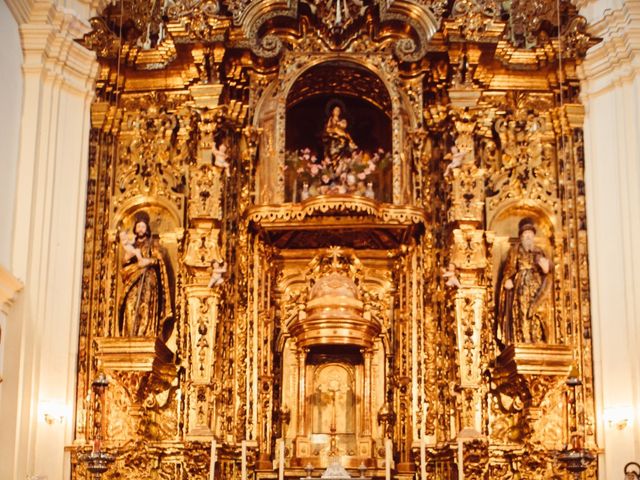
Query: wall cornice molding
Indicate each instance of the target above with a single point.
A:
(26, 11)
(617, 57)
(9, 286)
(20, 10)
(49, 47)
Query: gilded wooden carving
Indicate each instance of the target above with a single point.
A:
(310, 235)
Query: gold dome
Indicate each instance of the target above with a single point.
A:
(334, 315)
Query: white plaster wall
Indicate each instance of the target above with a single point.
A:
(611, 94)
(10, 100)
(10, 110)
(46, 237)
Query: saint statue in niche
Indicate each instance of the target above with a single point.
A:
(144, 309)
(336, 138)
(341, 165)
(525, 290)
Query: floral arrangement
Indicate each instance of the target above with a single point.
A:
(352, 174)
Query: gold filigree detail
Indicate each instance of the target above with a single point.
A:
(205, 193)
(476, 18)
(337, 204)
(152, 156)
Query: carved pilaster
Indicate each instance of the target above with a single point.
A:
(469, 305)
(202, 323)
(205, 197)
(467, 262)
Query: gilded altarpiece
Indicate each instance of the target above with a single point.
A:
(348, 232)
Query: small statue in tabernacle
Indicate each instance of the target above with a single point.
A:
(304, 194)
(145, 307)
(369, 192)
(524, 292)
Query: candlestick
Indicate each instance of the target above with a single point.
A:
(281, 460)
(423, 459)
(212, 463)
(460, 459)
(244, 460)
(423, 445)
(388, 449)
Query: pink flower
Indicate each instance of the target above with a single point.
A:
(325, 178)
(314, 169)
(300, 170)
(362, 175)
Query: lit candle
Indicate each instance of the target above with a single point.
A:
(423, 445)
(281, 460)
(212, 463)
(388, 451)
(244, 460)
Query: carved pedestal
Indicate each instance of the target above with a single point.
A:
(140, 354)
(535, 359)
(530, 372)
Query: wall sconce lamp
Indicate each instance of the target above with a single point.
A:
(618, 417)
(53, 412)
(632, 471)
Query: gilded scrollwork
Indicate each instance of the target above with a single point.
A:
(203, 248)
(153, 151)
(478, 17)
(206, 189)
(521, 162)
(402, 293)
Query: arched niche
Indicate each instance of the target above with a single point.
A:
(504, 224)
(166, 233)
(357, 160)
(299, 99)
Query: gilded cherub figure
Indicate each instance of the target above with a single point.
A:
(457, 157)
(221, 156)
(217, 274)
(450, 276)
